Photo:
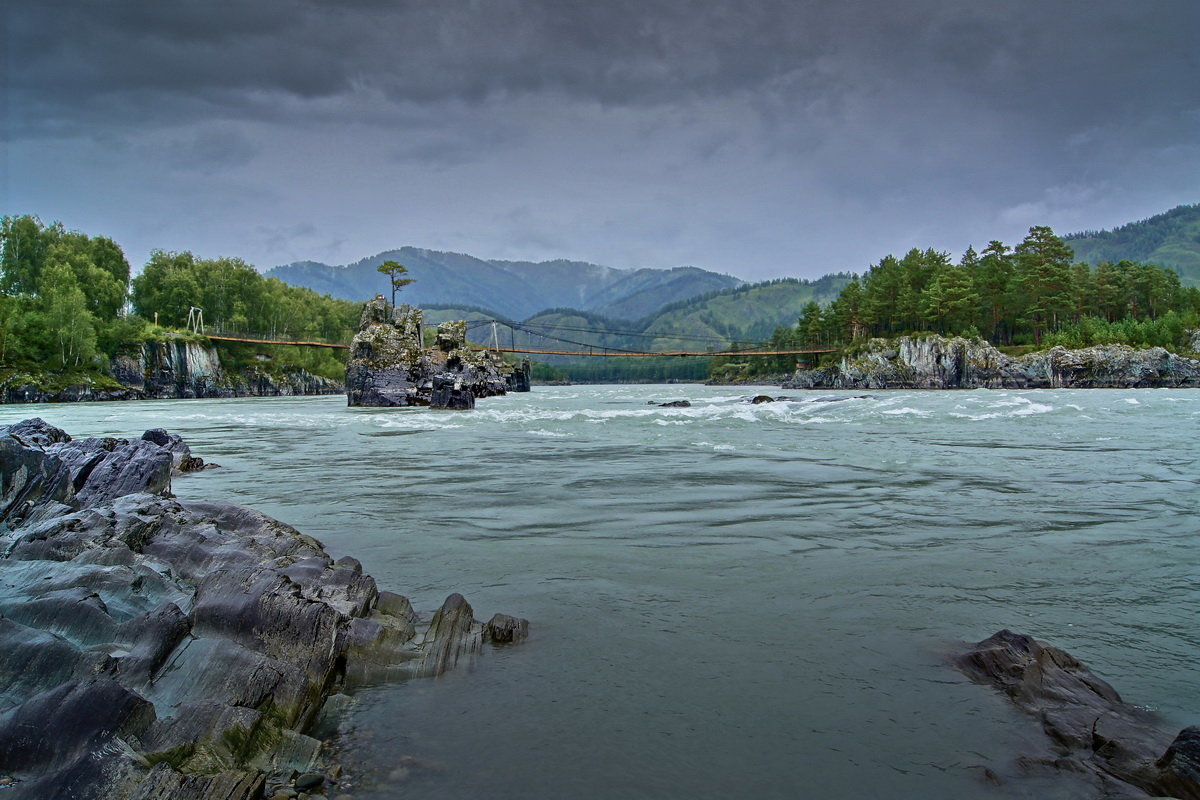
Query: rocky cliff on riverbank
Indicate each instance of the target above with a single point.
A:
(169, 369)
(390, 366)
(935, 362)
(152, 648)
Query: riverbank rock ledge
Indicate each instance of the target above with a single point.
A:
(935, 362)
(157, 648)
(176, 367)
(1116, 749)
(390, 366)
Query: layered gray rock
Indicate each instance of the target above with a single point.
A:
(1091, 733)
(155, 648)
(390, 366)
(935, 362)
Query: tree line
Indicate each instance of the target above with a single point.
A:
(1032, 294)
(67, 301)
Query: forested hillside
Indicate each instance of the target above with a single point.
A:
(1171, 240)
(1036, 293)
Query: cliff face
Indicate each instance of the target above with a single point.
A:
(175, 368)
(389, 365)
(935, 362)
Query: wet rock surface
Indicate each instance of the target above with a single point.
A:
(390, 366)
(936, 362)
(153, 648)
(1091, 733)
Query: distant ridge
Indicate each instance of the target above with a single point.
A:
(1170, 239)
(515, 289)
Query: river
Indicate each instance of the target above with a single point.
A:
(731, 600)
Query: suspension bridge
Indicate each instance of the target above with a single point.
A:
(542, 331)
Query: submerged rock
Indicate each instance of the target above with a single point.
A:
(154, 648)
(390, 366)
(841, 398)
(935, 362)
(1090, 731)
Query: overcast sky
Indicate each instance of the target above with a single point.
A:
(762, 139)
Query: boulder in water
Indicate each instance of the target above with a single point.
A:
(1091, 732)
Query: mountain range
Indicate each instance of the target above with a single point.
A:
(685, 308)
(515, 289)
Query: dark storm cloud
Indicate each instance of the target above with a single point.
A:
(1061, 59)
(644, 130)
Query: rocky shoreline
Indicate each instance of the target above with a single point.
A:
(935, 362)
(172, 369)
(152, 648)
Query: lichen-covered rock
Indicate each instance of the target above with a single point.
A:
(1092, 735)
(935, 362)
(200, 639)
(389, 365)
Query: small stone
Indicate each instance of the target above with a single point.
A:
(309, 780)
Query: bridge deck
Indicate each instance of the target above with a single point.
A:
(598, 351)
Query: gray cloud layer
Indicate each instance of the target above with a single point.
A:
(762, 138)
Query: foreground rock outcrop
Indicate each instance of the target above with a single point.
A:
(390, 366)
(171, 369)
(154, 648)
(935, 362)
(1091, 733)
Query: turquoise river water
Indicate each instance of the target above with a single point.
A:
(731, 600)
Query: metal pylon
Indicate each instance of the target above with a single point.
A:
(195, 320)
